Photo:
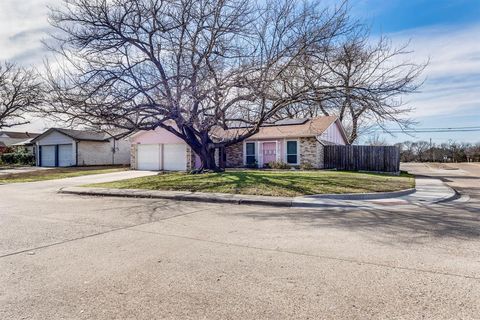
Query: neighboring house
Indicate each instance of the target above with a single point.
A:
(3, 147)
(65, 148)
(10, 139)
(26, 145)
(296, 142)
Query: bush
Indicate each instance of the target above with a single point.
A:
(22, 158)
(278, 165)
(306, 166)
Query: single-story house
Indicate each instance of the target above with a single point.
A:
(58, 147)
(27, 146)
(11, 138)
(295, 142)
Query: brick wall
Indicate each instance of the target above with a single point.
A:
(311, 152)
(235, 156)
(133, 156)
(190, 159)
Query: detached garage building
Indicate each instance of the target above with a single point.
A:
(66, 148)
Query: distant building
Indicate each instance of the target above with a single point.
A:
(9, 139)
(59, 147)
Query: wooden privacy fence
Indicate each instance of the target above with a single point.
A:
(364, 158)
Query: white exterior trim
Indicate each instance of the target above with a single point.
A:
(298, 152)
(245, 152)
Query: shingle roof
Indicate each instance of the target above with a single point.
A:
(24, 143)
(19, 135)
(309, 128)
(78, 134)
(84, 135)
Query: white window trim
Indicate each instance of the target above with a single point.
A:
(245, 151)
(298, 151)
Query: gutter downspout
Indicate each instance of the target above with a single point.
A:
(113, 151)
(76, 153)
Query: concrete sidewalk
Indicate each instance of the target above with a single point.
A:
(428, 191)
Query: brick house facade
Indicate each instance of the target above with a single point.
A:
(297, 143)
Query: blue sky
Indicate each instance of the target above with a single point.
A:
(446, 32)
(395, 15)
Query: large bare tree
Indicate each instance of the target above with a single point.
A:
(373, 78)
(20, 92)
(189, 66)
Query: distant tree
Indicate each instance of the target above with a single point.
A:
(421, 150)
(20, 92)
(451, 151)
(191, 67)
(376, 140)
(407, 153)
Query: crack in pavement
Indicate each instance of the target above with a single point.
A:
(96, 234)
(309, 255)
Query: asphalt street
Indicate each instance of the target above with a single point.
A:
(80, 257)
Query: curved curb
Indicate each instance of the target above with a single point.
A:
(362, 196)
(180, 196)
(456, 196)
(327, 200)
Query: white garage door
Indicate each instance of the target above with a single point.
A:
(65, 155)
(175, 158)
(47, 157)
(148, 157)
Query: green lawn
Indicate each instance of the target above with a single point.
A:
(269, 183)
(56, 173)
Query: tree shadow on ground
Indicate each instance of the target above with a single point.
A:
(389, 226)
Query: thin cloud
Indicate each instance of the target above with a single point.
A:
(452, 76)
(23, 24)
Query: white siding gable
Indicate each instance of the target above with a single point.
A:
(334, 135)
(54, 138)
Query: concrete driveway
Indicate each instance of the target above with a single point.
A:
(4, 171)
(70, 257)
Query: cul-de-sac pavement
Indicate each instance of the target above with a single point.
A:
(81, 257)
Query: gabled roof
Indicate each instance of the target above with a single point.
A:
(24, 143)
(298, 128)
(79, 135)
(19, 135)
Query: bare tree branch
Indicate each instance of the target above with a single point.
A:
(189, 66)
(20, 92)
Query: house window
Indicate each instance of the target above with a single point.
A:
(292, 152)
(250, 153)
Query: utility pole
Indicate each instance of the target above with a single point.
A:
(431, 150)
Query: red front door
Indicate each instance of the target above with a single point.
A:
(269, 152)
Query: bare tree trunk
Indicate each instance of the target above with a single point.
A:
(354, 133)
(208, 160)
(205, 150)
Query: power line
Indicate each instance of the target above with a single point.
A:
(431, 130)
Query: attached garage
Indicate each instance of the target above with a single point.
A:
(175, 157)
(160, 150)
(169, 157)
(149, 157)
(47, 156)
(65, 155)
